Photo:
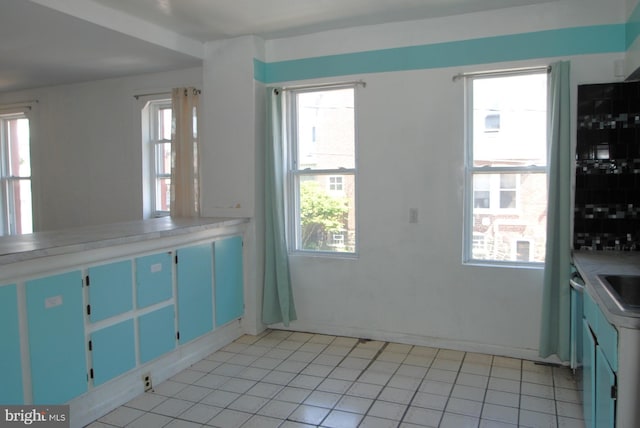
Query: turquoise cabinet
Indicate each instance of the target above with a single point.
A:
(154, 279)
(113, 351)
(195, 291)
(588, 375)
(229, 296)
(605, 391)
(600, 363)
(56, 338)
(110, 290)
(157, 333)
(11, 391)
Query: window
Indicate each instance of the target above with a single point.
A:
(322, 169)
(492, 122)
(16, 203)
(335, 184)
(159, 112)
(506, 171)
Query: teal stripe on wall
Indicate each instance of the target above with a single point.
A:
(633, 26)
(541, 44)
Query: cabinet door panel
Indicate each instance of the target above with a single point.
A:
(605, 380)
(608, 340)
(11, 367)
(228, 280)
(153, 279)
(56, 338)
(588, 375)
(195, 291)
(113, 351)
(110, 292)
(157, 333)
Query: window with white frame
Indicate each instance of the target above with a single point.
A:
(15, 170)
(506, 171)
(321, 192)
(159, 152)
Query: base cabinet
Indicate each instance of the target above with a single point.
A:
(599, 341)
(11, 390)
(195, 291)
(96, 322)
(56, 337)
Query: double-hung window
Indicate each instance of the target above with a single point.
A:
(321, 193)
(506, 168)
(159, 147)
(15, 171)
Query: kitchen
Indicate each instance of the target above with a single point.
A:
(410, 272)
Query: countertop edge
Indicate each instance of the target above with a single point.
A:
(591, 264)
(74, 240)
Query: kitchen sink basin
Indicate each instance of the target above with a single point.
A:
(625, 290)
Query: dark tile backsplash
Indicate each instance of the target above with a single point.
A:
(607, 200)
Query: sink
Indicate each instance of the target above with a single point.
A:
(625, 290)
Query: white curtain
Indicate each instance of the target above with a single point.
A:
(185, 183)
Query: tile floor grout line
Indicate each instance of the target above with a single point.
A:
(412, 388)
(418, 388)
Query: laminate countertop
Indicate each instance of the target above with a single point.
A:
(17, 248)
(590, 264)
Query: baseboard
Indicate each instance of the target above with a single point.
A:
(102, 399)
(414, 339)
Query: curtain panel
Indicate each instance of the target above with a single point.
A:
(556, 304)
(277, 298)
(185, 181)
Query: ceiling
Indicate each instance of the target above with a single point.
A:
(50, 42)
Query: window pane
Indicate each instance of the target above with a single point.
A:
(163, 194)
(163, 158)
(326, 129)
(19, 158)
(514, 108)
(20, 200)
(164, 122)
(500, 231)
(326, 217)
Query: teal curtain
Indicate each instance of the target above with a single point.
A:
(556, 304)
(277, 298)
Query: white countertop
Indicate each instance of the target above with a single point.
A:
(42, 244)
(590, 264)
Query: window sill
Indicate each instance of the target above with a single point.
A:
(499, 264)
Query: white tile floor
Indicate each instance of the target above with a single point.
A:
(287, 380)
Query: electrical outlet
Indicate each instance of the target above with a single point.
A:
(146, 379)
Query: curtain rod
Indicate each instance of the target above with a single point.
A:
(168, 93)
(325, 85)
(546, 68)
(26, 104)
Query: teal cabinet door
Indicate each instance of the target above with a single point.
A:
(56, 338)
(195, 291)
(157, 333)
(110, 290)
(154, 279)
(229, 284)
(588, 375)
(113, 351)
(605, 405)
(11, 391)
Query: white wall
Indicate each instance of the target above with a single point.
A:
(87, 151)
(408, 282)
(233, 152)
